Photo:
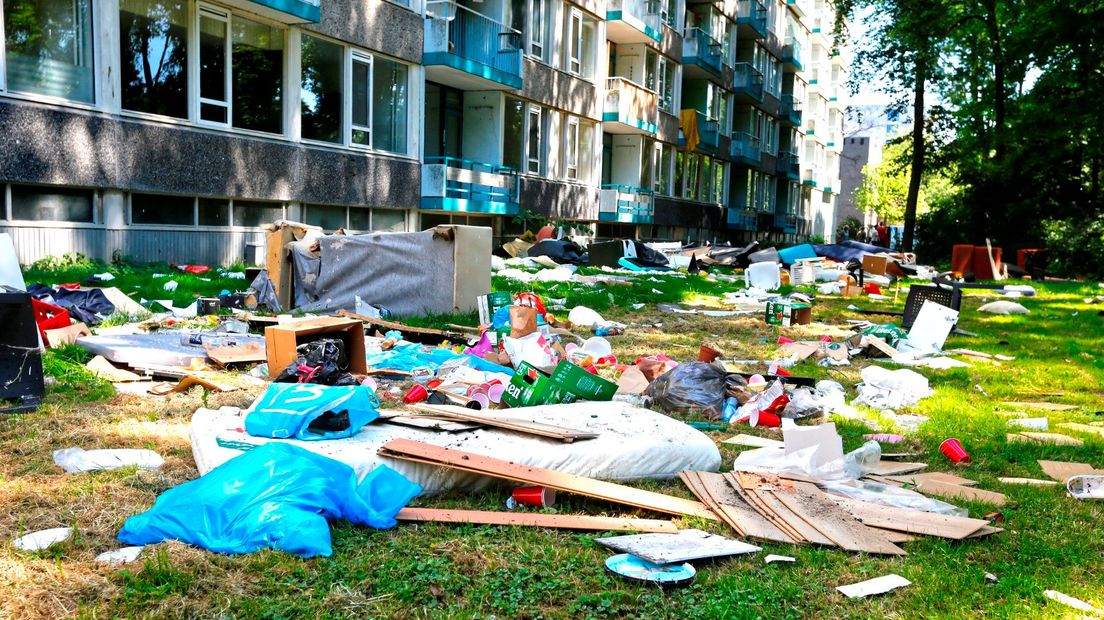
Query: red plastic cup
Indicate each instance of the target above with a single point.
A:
(953, 450)
(707, 354)
(768, 420)
(785, 340)
(417, 394)
(872, 289)
(536, 497)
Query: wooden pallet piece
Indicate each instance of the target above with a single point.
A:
(894, 536)
(744, 519)
(911, 521)
(807, 502)
(536, 519)
(938, 476)
(758, 487)
(1055, 439)
(1064, 470)
(1028, 481)
(1020, 404)
(406, 449)
(763, 511)
(694, 483)
(896, 468)
(1082, 428)
(528, 427)
(935, 487)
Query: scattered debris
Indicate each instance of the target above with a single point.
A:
(772, 558)
(1073, 603)
(636, 569)
(77, 460)
(43, 539)
(685, 546)
(126, 555)
(870, 587)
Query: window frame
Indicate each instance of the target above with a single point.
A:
(195, 225)
(539, 161)
(353, 55)
(573, 59)
(97, 60)
(571, 143)
(535, 38)
(7, 208)
(225, 16)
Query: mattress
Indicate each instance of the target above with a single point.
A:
(632, 444)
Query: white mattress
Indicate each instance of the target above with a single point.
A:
(632, 443)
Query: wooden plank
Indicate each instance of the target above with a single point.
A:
(246, 353)
(1063, 470)
(529, 427)
(536, 519)
(694, 483)
(1020, 404)
(433, 424)
(1083, 428)
(937, 476)
(1047, 438)
(910, 521)
(985, 530)
(415, 450)
(893, 536)
(891, 468)
(1027, 481)
(761, 490)
(414, 334)
(810, 504)
(743, 518)
(763, 511)
(935, 487)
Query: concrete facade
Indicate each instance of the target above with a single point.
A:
(858, 152)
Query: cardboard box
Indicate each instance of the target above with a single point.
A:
(787, 312)
(875, 264)
(282, 340)
(66, 335)
(490, 303)
(567, 384)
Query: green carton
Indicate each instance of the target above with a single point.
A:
(788, 312)
(567, 384)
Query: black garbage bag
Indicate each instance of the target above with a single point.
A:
(320, 361)
(89, 306)
(562, 251)
(690, 386)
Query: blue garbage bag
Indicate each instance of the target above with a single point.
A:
(277, 496)
(409, 356)
(310, 411)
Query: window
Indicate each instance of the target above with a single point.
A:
(389, 104)
(389, 220)
(214, 212)
(536, 28)
(154, 57)
(362, 99)
(252, 213)
(535, 149)
(662, 156)
(241, 72)
(322, 83)
(587, 133)
(647, 163)
(513, 134)
(55, 204)
(571, 148)
(164, 210)
(574, 42)
(651, 70)
(325, 217)
(48, 48)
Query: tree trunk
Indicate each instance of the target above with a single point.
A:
(916, 172)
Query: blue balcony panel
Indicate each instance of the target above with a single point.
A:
(470, 51)
(452, 184)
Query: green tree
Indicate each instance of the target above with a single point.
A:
(886, 185)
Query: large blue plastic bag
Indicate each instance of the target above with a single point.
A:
(276, 495)
(309, 411)
(409, 356)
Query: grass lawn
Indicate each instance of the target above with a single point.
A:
(429, 570)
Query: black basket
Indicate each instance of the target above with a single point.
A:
(950, 297)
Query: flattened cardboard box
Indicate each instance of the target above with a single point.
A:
(787, 312)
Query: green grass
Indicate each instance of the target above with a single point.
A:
(432, 570)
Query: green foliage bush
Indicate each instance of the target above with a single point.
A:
(1076, 246)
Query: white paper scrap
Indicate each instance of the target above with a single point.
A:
(877, 585)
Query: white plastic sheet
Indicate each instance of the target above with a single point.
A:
(76, 460)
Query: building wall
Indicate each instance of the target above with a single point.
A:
(858, 152)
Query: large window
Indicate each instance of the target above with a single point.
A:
(358, 219)
(153, 52)
(535, 147)
(513, 134)
(389, 103)
(536, 28)
(574, 42)
(255, 213)
(165, 210)
(571, 148)
(241, 72)
(53, 204)
(48, 48)
(322, 96)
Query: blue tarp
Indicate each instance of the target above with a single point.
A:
(276, 496)
(310, 411)
(793, 254)
(843, 252)
(409, 356)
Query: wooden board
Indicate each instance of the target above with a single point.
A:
(411, 333)
(528, 427)
(937, 476)
(753, 441)
(1082, 428)
(1028, 481)
(894, 468)
(762, 492)
(536, 519)
(1019, 404)
(1056, 439)
(686, 546)
(762, 511)
(810, 504)
(935, 487)
(911, 521)
(715, 492)
(431, 423)
(244, 354)
(1063, 470)
(895, 537)
(406, 449)
(694, 483)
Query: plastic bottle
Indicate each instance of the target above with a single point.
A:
(731, 406)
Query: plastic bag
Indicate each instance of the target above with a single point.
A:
(320, 361)
(43, 539)
(690, 386)
(804, 403)
(276, 495)
(309, 411)
(75, 460)
(1003, 307)
(889, 495)
(882, 388)
(533, 349)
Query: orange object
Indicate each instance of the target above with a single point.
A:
(534, 496)
(545, 233)
(962, 259)
(983, 269)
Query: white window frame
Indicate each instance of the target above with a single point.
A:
(534, 109)
(351, 56)
(212, 12)
(574, 40)
(571, 148)
(657, 164)
(661, 79)
(97, 58)
(534, 44)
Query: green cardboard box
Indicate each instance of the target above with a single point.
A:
(567, 384)
(787, 312)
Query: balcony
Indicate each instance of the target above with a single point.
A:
(634, 21)
(739, 218)
(790, 110)
(708, 131)
(746, 148)
(789, 164)
(809, 176)
(626, 204)
(468, 50)
(747, 80)
(702, 53)
(799, 7)
(451, 184)
(785, 222)
(751, 18)
(630, 108)
(791, 54)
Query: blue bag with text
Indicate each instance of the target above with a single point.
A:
(309, 411)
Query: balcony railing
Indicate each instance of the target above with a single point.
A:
(746, 148)
(752, 13)
(631, 104)
(472, 42)
(643, 16)
(626, 204)
(809, 177)
(747, 79)
(741, 219)
(699, 47)
(801, 7)
(791, 52)
(789, 164)
(791, 109)
(708, 132)
(785, 222)
(453, 184)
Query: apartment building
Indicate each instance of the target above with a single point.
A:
(170, 130)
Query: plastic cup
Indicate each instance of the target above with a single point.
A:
(953, 450)
(494, 392)
(417, 394)
(535, 496)
(479, 400)
(768, 420)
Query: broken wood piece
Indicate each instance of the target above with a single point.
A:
(713, 490)
(943, 489)
(881, 345)
(937, 476)
(1056, 439)
(761, 490)
(536, 519)
(405, 449)
(1063, 470)
(1083, 428)
(431, 423)
(1018, 404)
(896, 468)
(529, 427)
(809, 504)
(910, 521)
(188, 382)
(413, 334)
(100, 366)
(252, 352)
(1027, 481)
